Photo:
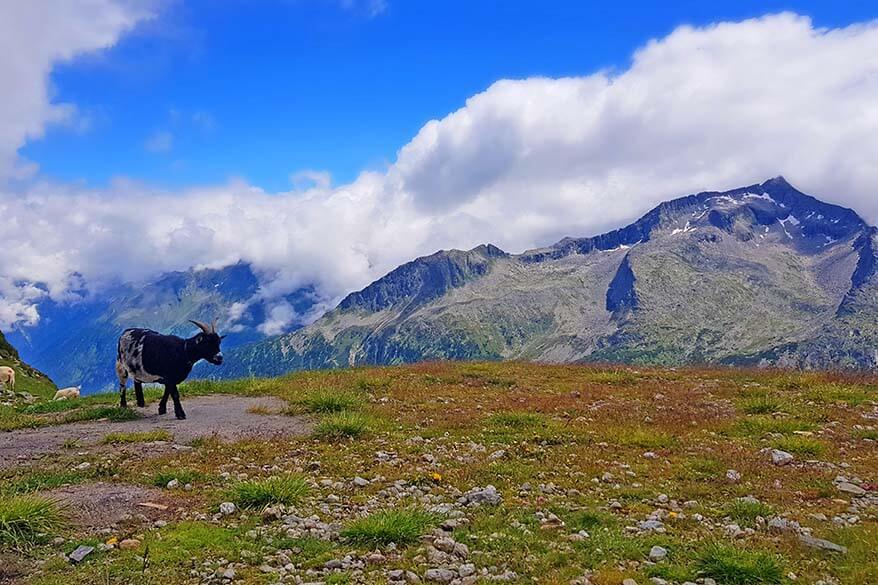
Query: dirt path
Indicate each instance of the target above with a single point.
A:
(226, 417)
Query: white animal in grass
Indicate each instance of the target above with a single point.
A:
(67, 393)
(7, 378)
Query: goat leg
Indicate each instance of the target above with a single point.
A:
(138, 392)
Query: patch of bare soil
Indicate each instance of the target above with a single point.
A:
(229, 418)
(92, 506)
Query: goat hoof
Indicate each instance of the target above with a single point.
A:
(181, 416)
(163, 410)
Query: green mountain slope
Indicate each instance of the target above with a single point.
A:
(758, 275)
(27, 379)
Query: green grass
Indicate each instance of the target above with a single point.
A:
(329, 401)
(27, 519)
(382, 528)
(39, 481)
(142, 437)
(642, 438)
(517, 421)
(731, 565)
(184, 476)
(111, 413)
(798, 445)
(340, 425)
(745, 512)
(758, 426)
(589, 520)
(762, 404)
(51, 406)
(834, 393)
(611, 377)
(869, 434)
(285, 489)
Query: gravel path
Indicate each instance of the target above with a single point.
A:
(226, 417)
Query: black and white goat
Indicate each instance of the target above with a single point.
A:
(147, 356)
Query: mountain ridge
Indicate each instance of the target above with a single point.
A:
(767, 250)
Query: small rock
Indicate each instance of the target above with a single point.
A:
(227, 508)
(657, 553)
(440, 575)
(496, 455)
(629, 582)
(733, 475)
(850, 488)
(229, 573)
(822, 544)
(466, 570)
(779, 457)
(173, 484)
(360, 482)
(80, 553)
(129, 544)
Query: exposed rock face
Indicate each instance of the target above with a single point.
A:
(763, 274)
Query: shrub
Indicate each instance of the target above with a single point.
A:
(285, 489)
(27, 519)
(382, 528)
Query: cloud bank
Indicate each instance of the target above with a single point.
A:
(520, 165)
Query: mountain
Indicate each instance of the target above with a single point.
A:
(27, 378)
(75, 343)
(758, 275)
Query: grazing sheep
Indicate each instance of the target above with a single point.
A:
(67, 393)
(147, 356)
(7, 378)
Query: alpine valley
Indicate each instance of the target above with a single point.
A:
(760, 275)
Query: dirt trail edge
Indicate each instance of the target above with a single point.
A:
(227, 417)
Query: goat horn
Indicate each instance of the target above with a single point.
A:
(213, 326)
(200, 325)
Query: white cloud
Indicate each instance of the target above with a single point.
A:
(520, 165)
(35, 35)
(160, 141)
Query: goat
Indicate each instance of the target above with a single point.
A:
(67, 393)
(7, 378)
(147, 356)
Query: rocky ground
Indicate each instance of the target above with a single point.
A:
(464, 474)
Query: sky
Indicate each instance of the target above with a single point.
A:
(327, 141)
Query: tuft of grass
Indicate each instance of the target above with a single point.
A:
(184, 476)
(111, 413)
(802, 446)
(343, 424)
(643, 438)
(27, 519)
(41, 480)
(758, 426)
(833, 393)
(866, 434)
(142, 437)
(373, 384)
(737, 566)
(51, 406)
(396, 526)
(329, 401)
(517, 421)
(589, 520)
(762, 404)
(284, 489)
(745, 512)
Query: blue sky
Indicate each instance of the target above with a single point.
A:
(263, 89)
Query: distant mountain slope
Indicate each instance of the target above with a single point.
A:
(27, 379)
(76, 342)
(758, 275)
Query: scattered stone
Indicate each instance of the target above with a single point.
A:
(629, 582)
(733, 475)
(779, 457)
(500, 453)
(657, 553)
(466, 570)
(822, 544)
(481, 496)
(850, 488)
(229, 574)
(174, 483)
(227, 508)
(360, 482)
(80, 553)
(129, 544)
(440, 575)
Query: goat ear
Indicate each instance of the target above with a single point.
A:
(222, 336)
(204, 328)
